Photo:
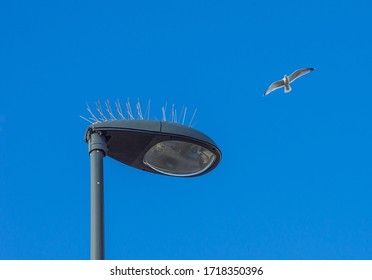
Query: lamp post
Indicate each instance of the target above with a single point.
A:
(97, 151)
(154, 146)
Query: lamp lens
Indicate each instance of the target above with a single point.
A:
(179, 158)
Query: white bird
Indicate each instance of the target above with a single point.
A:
(287, 80)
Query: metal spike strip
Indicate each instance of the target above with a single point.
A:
(119, 114)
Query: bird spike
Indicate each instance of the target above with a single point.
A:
(129, 110)
(109, 111)
(192, 118)
(118, 109)
(110, 114)
(163, 110)
(99, 110)
(139, 110)
(147, 112)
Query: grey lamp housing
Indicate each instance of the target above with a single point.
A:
(158, 147)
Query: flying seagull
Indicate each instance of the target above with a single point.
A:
(287, 80)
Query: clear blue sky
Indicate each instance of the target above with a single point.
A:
(295, 181)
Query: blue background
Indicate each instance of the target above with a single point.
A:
(296, 175)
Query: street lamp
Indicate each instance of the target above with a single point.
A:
(155, 146)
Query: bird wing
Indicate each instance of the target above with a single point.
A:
(298, 73)
(274, 86)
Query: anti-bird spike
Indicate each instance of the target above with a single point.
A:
(108, 114)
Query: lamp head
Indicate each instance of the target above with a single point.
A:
(158, 147)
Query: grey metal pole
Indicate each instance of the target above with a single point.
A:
(97, 151)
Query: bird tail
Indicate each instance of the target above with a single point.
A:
(287, 89)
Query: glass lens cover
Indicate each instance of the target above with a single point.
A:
(179, 158)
